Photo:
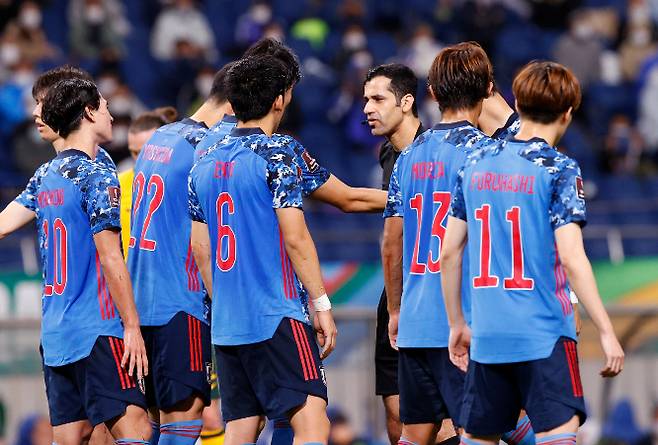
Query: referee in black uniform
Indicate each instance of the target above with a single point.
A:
(391, 111)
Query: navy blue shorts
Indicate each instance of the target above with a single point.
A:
(94, 388)
(271, 377)
(431, 387)
(548, 389)
(180, 364)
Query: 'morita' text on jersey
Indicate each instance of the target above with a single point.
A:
(428, 170)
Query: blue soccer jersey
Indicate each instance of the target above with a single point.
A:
(513, 196)
(235, 189)
(165, 276)
(214, 135)
(420, 192)
(75, 198)
(510, 129)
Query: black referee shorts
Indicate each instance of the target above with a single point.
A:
(386, 358)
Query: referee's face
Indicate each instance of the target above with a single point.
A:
(382, 110)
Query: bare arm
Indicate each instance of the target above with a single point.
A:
(569, 241)
(13, 217)
(452, 253)
(495, 113)
(304, 258)
(108, 244)
(201, 249)
(392, 265)
(350, 199)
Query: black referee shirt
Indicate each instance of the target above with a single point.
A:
(387, 157)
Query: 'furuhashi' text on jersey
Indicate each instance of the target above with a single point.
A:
(235, 189)
(513, 196)
(165, 276)
(75, 199)
(420, 192)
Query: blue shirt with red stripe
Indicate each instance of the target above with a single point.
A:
(166, 279)
(513, 196)
(235, 189)
(74, 199)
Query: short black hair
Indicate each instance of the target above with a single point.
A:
(253, 85)
(272, 47)
(65, 104)
(52, 76)
(403, 81)
(218, 92)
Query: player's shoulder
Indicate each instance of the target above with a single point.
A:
(103, 157)
(83, 171)
(547, 157)
(189, 129)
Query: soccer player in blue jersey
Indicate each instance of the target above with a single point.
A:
(521, 203)
(171, 299)
(93, 353)
(460, 78)
(21, 211)
(246, 198)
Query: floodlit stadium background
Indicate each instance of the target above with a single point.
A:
(146, 53)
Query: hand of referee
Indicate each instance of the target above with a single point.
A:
(134, 354)
(326, 332)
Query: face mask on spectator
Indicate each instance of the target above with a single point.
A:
(640, 36)
(119, 135)
(261, 14)
(107, 86)
(9, 54)
(120, 106)
(354, 40)
(582, 31)
(94, 14)
(23, 78)
(203, 84)
(30, 18)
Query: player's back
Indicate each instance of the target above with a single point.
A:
(235, 189)
(165, 276)
(423, 180)
(76, 198)
(215, 134)
(515, 195)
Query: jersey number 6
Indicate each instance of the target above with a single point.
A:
(224, 232)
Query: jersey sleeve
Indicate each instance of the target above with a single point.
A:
(193, 205)
(313, 174)
(284, 179)
(28, 197)
(568, 197)
(102, 197)
(458, 205)
(104, 158)
(394, 206)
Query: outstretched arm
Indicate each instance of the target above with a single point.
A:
(350, 199)
(13, 217)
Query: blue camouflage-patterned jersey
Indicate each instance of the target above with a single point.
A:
(510, 129)
(215, 134)
(165, 276)
(420, 192)
(28, 197)
(513, 196)
(76, 198)
(235, 189)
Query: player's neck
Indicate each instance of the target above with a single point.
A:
(405, 134)
(548, 132)
(265, 123)
(471, 115)
(83, 141)
(59, 144)
(209, 113)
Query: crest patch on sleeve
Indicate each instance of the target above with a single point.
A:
(114, 194)
(580, 189)
(310, 162)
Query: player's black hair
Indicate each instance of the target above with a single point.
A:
(218, 91)
(253, 85)
(272, 47)
(65, 104)
(52, 76)
(403, 81)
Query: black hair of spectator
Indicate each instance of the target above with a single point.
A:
(272, 47)
(52, 76)
(218, 91)
(66, 102)
(253, 85)
(403, 81)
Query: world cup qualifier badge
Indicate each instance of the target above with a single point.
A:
(209, 372)
(310, 162)
(323, 375)
(580, 189)
(141, 385)
(114, 194)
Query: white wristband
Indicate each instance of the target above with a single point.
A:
(573, 297)
(321, 303)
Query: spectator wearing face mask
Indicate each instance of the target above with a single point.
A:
(26, 34)
(97, 28)
(251, 25)
(182, 32)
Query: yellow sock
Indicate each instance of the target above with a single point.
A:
(212, 437)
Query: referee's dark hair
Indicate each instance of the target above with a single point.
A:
(272, 47)
(218, 89)
(52, 76)
(66, 102)
(254, 83)
(403, 81)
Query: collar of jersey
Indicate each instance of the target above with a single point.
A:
(230, 118)
(529, 141)
(246, 131)
(451, 125)
(190, 121)
(72, 152)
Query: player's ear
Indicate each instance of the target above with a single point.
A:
(568, 115)
(278, 103)
(431, 90)
(89, 114)
(516, 105)
(491, 89)
(406, 103)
